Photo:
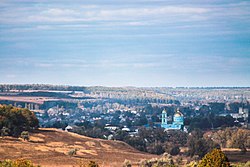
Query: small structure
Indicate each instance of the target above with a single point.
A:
(111, 127)
(178, 121)
(68, 128)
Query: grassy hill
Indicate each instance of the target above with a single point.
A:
(50, 147)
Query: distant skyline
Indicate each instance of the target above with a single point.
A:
(125, 43)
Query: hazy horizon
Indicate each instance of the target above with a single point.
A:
(144, 43)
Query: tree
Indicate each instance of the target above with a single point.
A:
(17, 119)
(222, 137)
(177, 137)
(239, 139)
(155, 148)
(197, 145)
(174, 150)
(215, 158)
(216, 107)
(233, 138)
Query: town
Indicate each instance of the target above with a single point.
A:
(128, 108)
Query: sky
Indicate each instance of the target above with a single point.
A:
(142, 43)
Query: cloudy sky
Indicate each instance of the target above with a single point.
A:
(125, 42)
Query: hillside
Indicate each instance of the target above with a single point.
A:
(50, 147)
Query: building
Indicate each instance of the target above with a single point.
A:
(178, 121)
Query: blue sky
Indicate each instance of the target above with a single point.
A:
(125, 43)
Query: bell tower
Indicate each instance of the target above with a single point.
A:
(164, 117)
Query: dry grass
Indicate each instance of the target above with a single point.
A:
(28, 99)
(50, 147)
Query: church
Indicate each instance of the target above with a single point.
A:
(178, 121)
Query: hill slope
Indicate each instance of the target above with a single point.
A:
(50, 147)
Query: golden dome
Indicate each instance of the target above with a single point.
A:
(178, 114)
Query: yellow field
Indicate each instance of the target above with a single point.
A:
(50, 147)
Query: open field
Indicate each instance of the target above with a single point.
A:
(50, 147)
(237, 156)
(28, 99)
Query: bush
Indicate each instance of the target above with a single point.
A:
(17, 163)
(165, 161)
(4, 131)
(192, 164)
(72, 152)
(127, 163)
(247, 164)
(215, 158)
(155, 148)
(92, 164)
(25, 135)
(174, 151)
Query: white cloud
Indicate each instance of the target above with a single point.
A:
(95, 13)
(60, 12)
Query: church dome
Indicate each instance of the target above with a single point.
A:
(178, 114)
(178, 118)
(164, 111)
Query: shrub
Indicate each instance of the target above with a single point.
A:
(174, 151)
(165, 161)
(72, 152)
(4, 131)
(215, 158)
(127, 163)
(192, 164)
(25, 135)
(17, 163)
(92, 164)
(247, 164)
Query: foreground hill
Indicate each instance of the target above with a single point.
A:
(50, 147)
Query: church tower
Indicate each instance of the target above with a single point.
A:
(164, 117)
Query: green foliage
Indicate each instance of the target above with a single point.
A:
(165, 161)
(92, 164)
(217, 107)
(192, 164)
(155, 140)
(4, 131)
(17, 163)
(127, 163)
(25, 135)
(239, 139)
(247, 164)
(17, 119)
(156, 148)
(233, 138)
(215, 158)
(72, 152)
(174, 150)
(197, 145)
(210, 120)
